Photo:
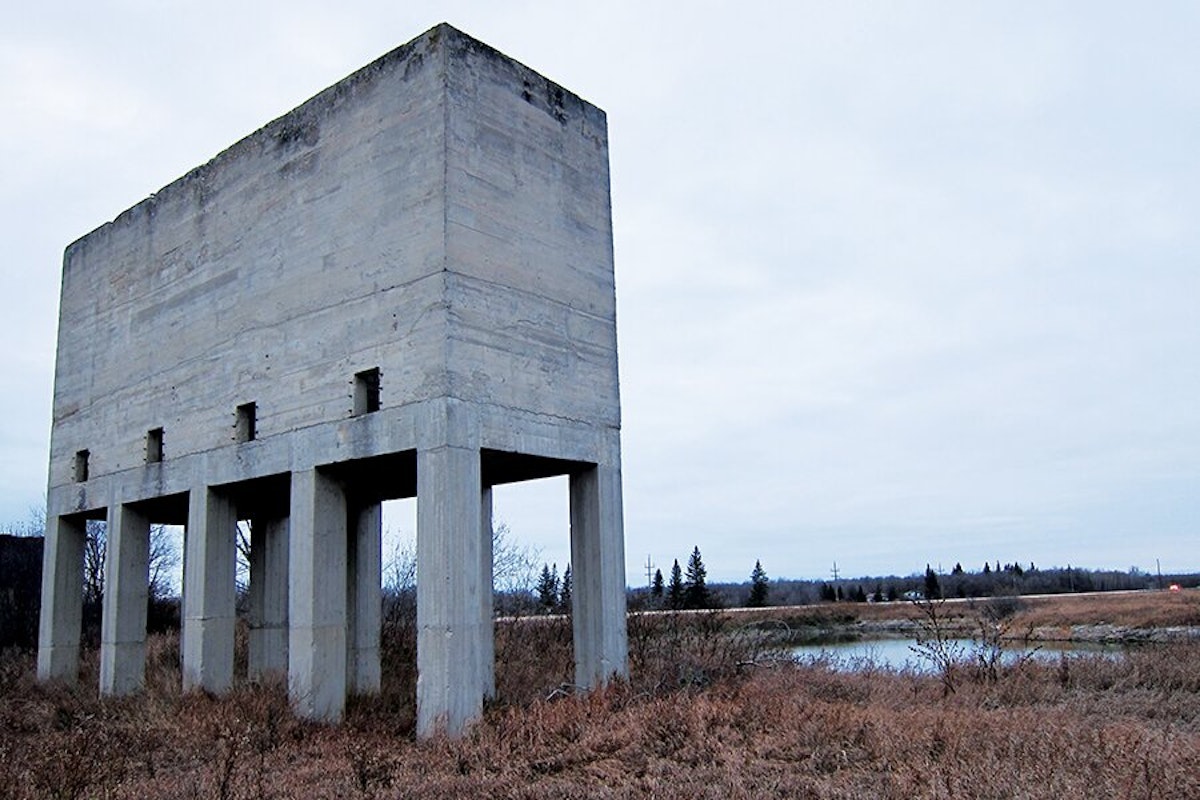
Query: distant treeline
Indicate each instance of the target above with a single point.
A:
(994, 580)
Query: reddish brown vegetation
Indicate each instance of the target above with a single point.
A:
(704, 716)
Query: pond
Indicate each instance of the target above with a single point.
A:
(904, 654)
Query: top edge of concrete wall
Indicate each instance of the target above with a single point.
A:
(291, 127)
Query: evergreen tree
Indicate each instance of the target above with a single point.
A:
(933, 588)
(547, 587)
(878, 596)
(987, 568)
(695, 589)
(656, 588)
(564, 592)
(840, 595)
(958, 570)
(892, 593)
(675, 590)
(758, 587)
(828, 594)
(858, 595)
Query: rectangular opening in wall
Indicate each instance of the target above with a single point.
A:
(154, 446)
(81, 466)
(246, 425)
(366, 391)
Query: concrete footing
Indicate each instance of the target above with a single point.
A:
(268, 612)
(209, 592)
(450, 631)
(598, 576)
(126, 591)
(59, 628)
(364, 616)
(317, 602)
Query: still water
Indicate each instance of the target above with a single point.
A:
(900, 654)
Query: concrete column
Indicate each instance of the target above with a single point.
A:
(61, 620)
(449, 628)
(598, 576)
(126, 592)
(487, 651)
(268, 640)
(317, 601)
(209, 592)
(365, 598)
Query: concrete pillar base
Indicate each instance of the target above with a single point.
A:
(363, 592)
(268, 617)
(126, 590)
(487, 649)
(60, 625)
(209, 590)
(317, 601)
(449, 628)
(598, 576)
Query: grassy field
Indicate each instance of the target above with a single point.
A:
(707, 713)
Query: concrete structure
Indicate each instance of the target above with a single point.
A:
(404, 287)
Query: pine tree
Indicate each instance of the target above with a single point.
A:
(828, 594)
(758, 587)
(987, 568)
(564, 592)
(933, 588)
(675, 591)
(695, 589)
(547, 587)
(656, 588)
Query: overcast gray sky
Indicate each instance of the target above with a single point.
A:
(897, 282)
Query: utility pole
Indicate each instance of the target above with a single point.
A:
(649, 573)
(835, 572)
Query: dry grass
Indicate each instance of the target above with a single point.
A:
(703, 716)
(1133, 610)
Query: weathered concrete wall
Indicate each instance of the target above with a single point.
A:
(441, 216)
(529, 242)
(306, 252)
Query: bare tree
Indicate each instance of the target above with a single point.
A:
(245, 530)
(162, 564)
(400, 571)
(514, 566)
(35, 525)
(94, 549)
